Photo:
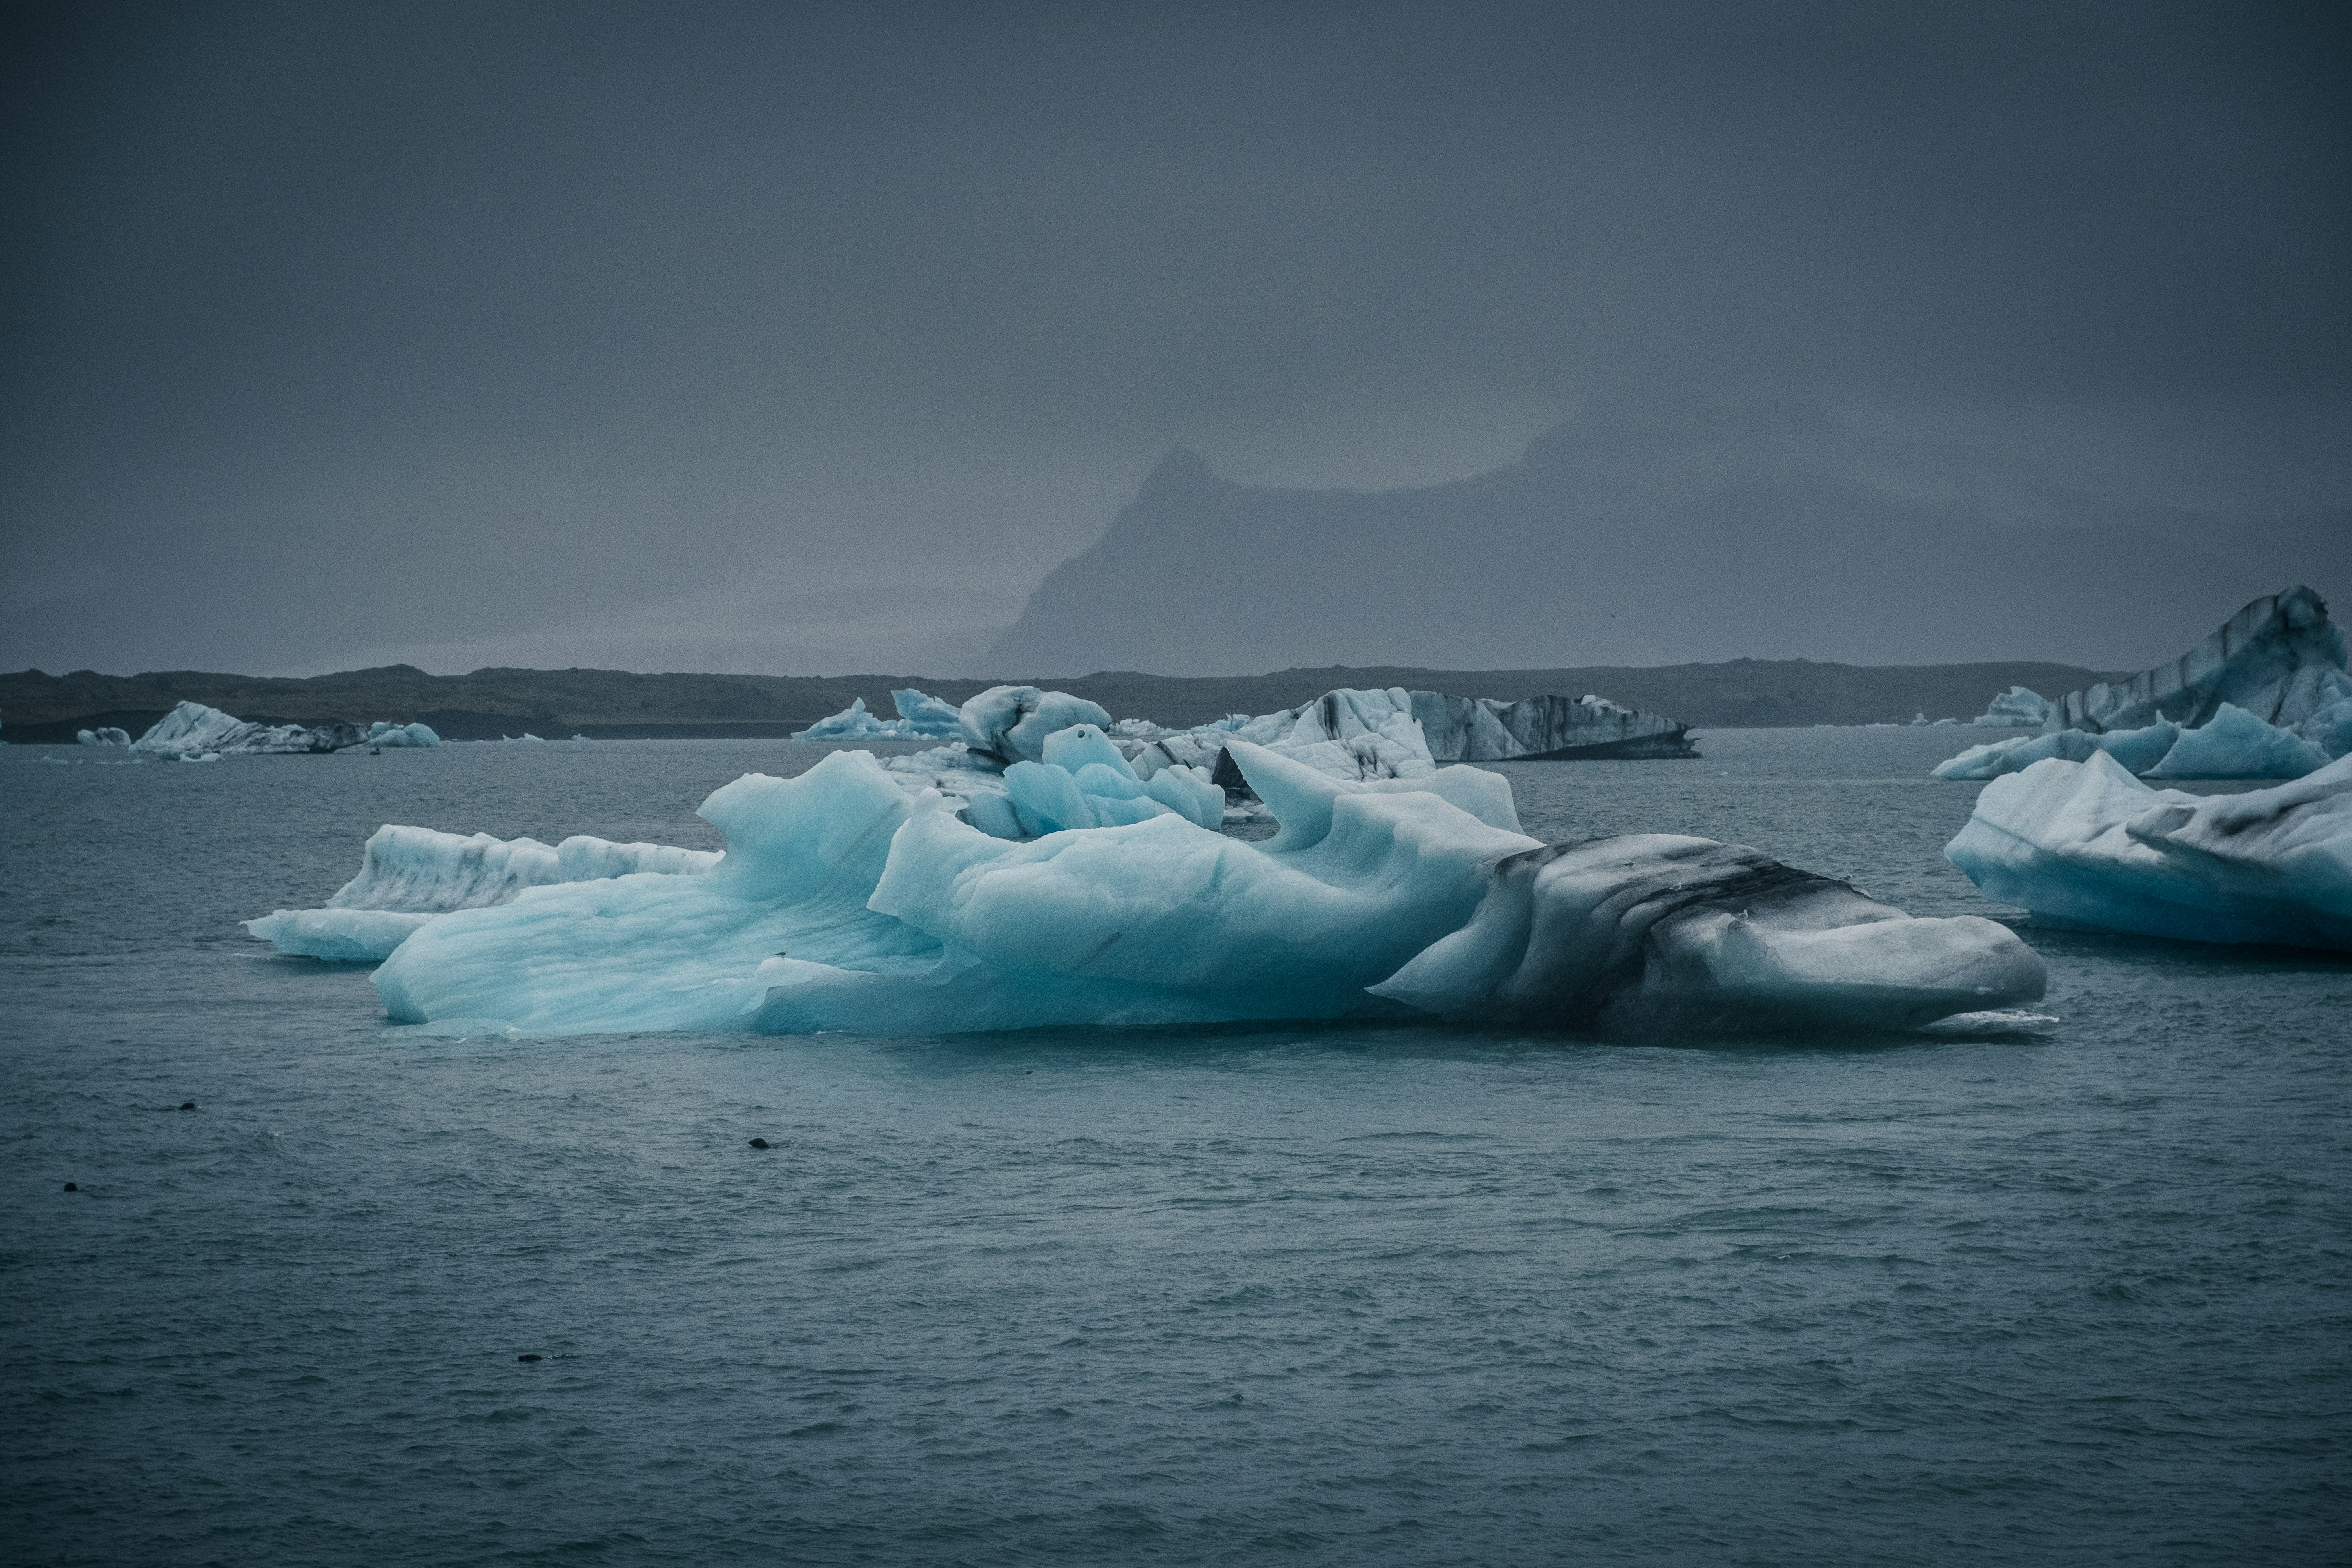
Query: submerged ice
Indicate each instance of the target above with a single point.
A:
(2084, 844)
(844, 902)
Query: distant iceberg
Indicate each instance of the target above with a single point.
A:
(192, 732)
(1392, 732)
(109, 736)
(409, 876)
(843, 903)
(921, 718)
(2265, 697)
(192, 729)
(2085, 844)
(2016, 708)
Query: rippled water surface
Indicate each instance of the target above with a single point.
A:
(2074, 1291)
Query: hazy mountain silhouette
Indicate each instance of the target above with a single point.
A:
(1652, 533)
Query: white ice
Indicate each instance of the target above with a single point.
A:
(921, 718)
(108, 736)
(385, 732)
(2234, 745)
(2015, 708)
(409, 876)
(843, 904)
(2087, 844)
(192, 729)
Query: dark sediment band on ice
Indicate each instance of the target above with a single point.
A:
(2256, 660)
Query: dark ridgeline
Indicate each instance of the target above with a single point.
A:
(1648, 532)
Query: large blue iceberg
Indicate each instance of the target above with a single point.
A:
(2267, 696)
(845, 903)
(2085, 844)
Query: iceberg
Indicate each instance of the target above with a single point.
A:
(2086, 845)
(1396, 734)
(193, 732)
(2017, 707)
(1009, 723)
(409, 876)
(109, 736)
(845, 903)
(2233, 744)
(1544, 729)
(2265, 697)
(192, 729)
(930, 717)
(920, 717)
(2279, 658)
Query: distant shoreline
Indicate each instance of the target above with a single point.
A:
(37, 708)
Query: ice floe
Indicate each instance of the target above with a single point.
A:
(844, 903)
(2085, 844)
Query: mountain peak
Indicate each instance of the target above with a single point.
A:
(1180, 471)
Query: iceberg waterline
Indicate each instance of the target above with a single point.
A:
(2085, 844)
(843, 903)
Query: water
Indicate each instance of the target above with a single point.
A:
(2071, 1292)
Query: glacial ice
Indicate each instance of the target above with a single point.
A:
(929, 717)
(843, 903)
(192, 729)
(2085, 844)
(1392, 732)
(2280, 658)
(2019, 707)
(2234, 745)
(1654, 930)
(409, 876)
(1009, 723)
(921, 718)
(108, 736)
(193, 732)
(2265, 697)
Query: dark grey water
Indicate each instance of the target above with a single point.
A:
(2077, 1293)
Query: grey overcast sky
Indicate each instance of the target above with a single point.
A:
(797, 338)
